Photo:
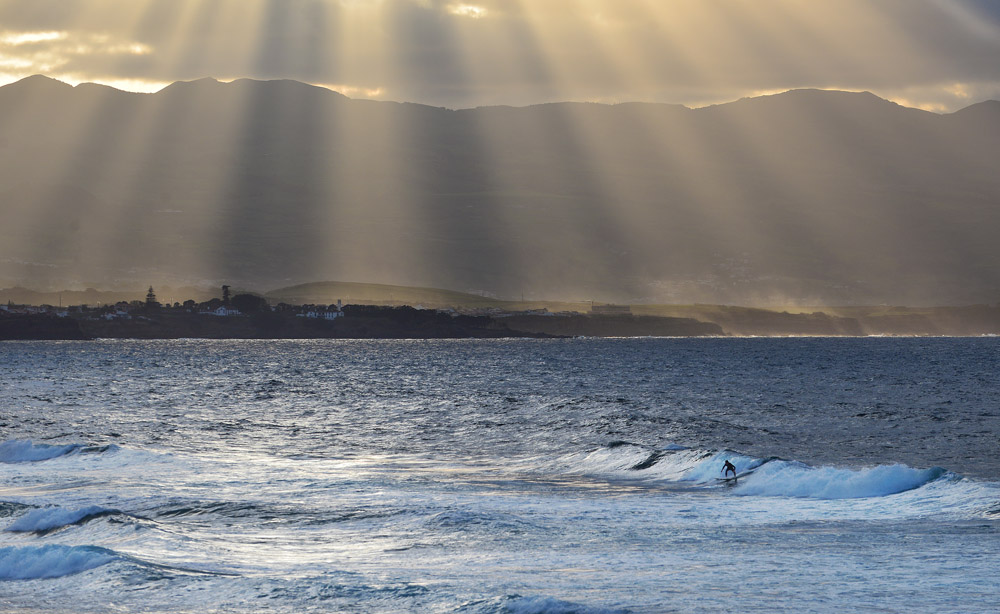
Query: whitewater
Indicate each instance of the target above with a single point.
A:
(500, 476)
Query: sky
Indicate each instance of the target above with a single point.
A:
(939, 55)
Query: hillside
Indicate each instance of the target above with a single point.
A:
(523, 317)
(376, 294)
(808, 197)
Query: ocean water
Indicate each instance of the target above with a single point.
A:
(517, 476)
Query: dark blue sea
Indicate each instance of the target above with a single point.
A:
(501, 476)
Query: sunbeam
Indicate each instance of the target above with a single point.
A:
(786, 197)
(483, 306)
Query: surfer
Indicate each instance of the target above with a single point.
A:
(727, 468)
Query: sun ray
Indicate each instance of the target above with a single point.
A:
(508, 51)
(151, 139)
(585, 188)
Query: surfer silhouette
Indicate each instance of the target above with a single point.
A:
(729, 467)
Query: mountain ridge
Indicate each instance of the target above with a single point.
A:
(243, 81)
(808, 196)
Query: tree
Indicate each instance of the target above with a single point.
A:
(249, 303)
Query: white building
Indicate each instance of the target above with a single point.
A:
(224, 311)
(323, 315)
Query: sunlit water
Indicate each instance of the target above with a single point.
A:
(500, 476)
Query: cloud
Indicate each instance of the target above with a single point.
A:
(18, 39)
(468, 10)
(455, 53)
(65, 53)
(944, 97)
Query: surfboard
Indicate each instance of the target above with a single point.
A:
(733, 478)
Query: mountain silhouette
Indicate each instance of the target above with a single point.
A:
(810, 196)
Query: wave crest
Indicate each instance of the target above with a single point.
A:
(786, 479)
(53, 561)
(770, 476)
(50, 518)
(26, 451)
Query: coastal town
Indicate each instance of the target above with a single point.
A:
(226, 306)
(250, 316)
(245, 315)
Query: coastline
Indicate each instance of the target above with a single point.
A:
(370, 322)
(367, 323)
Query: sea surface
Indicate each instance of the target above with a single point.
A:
(501, 476)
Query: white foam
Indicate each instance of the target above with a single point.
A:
(787, 479)
(769, 477)
(708, 469)
(24, 451)
(53, 561)
(48, 518)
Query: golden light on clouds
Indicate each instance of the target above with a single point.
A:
(928, 101)
(54, 52)
(959, 90)
(354, 91)
(468, 10)
(15, 39)
(140, 86)
(459, 54)
(382, 168)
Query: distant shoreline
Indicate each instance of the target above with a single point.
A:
(359, 322)
(376, 322)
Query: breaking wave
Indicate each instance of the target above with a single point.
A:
(53, 561)
(56, 561)
(49, 518)
(758, 476)
(786, 479)
(26, 451)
